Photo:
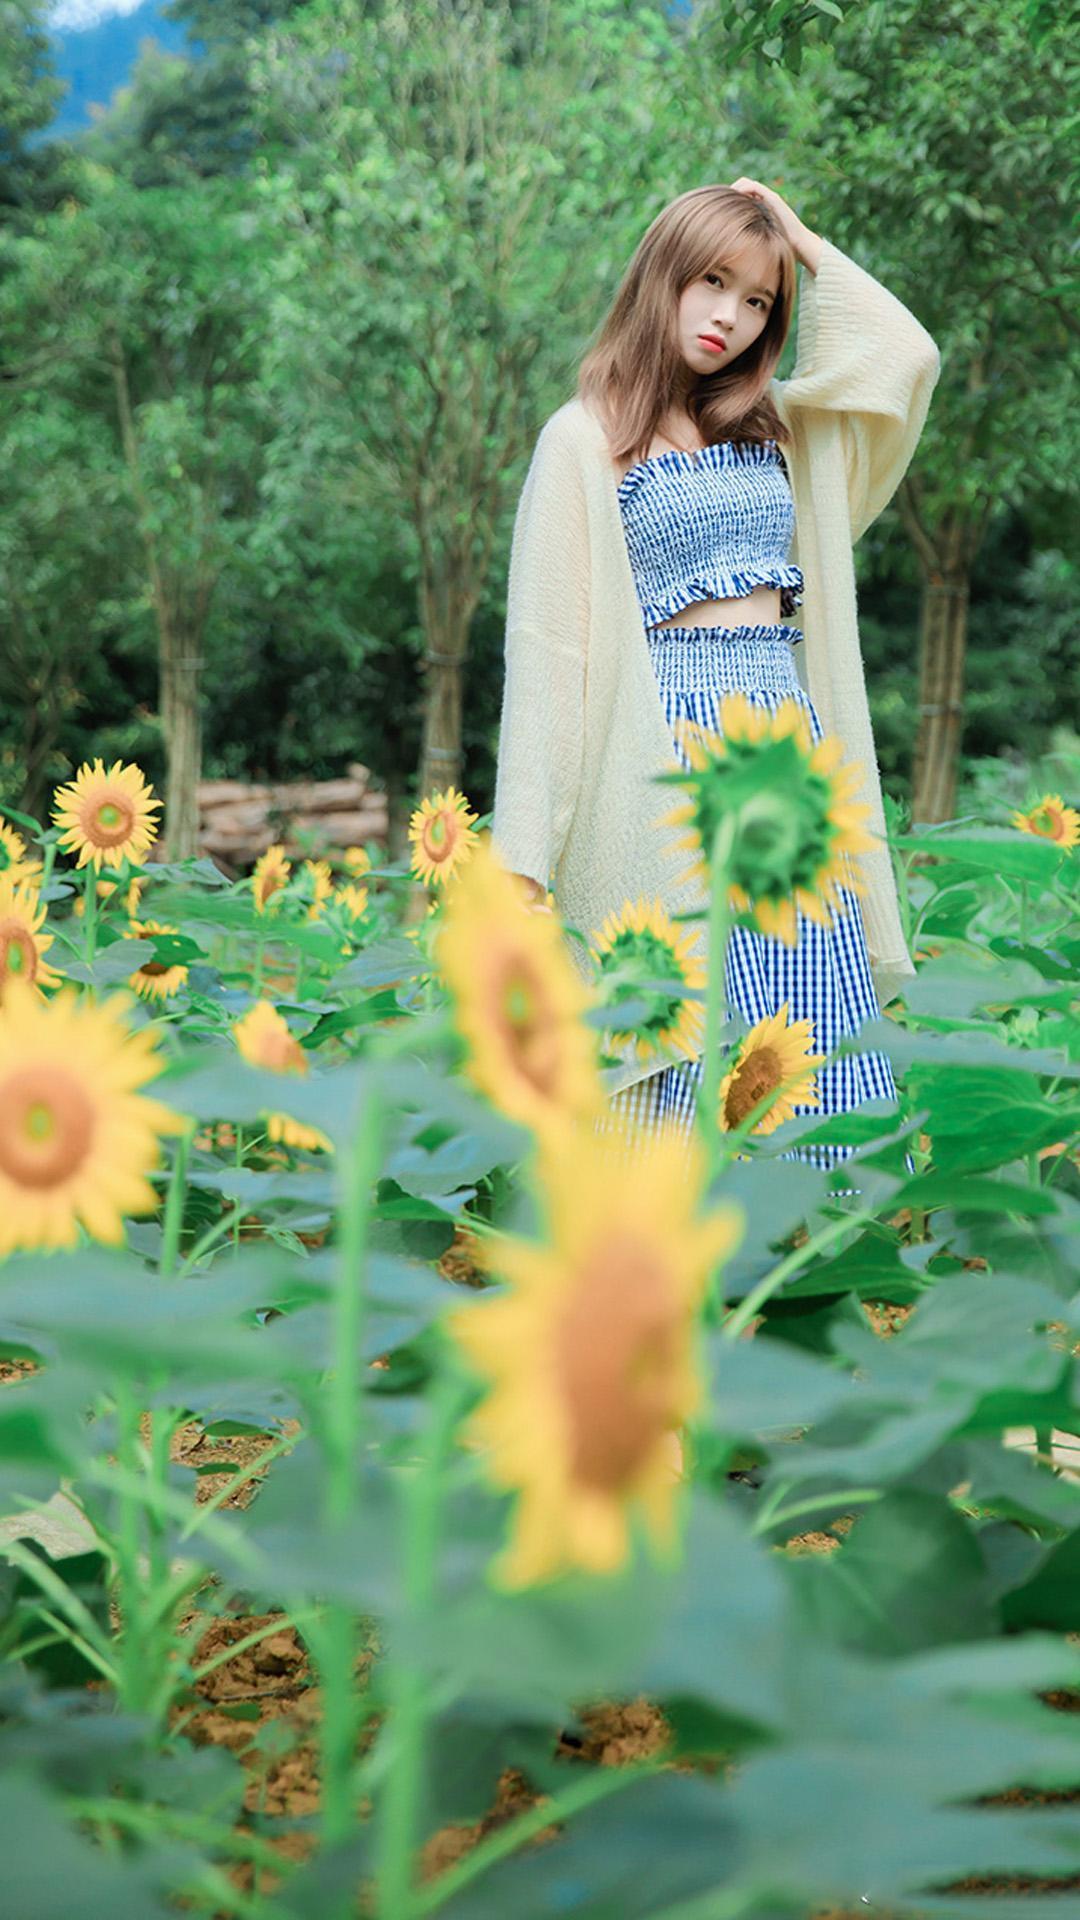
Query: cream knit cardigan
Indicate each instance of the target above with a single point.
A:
(583, 728)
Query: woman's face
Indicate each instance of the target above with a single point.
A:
(731, 303)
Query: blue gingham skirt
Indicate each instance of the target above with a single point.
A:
(826, 976)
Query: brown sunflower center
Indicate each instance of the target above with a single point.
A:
(18, 954)
(1048, 821)
(154, 967)
(270, 883)
(282, 1053)
(46, 1126)
(759, 1074)
(618, 1348)
(531, 1034)
(438, 837)
(108, 820)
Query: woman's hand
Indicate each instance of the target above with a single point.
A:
(535, 896)
(805, 244)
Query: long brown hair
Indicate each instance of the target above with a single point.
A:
(631, 375)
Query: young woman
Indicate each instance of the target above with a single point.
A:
(676, 513)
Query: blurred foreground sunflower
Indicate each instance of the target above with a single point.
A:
(106, 817)
(590, 1352)
(356, 861)
(264, 1040)
(441, 831)
(1051, 819)
(16, 862)
(797, 824)
(77, 1137)
(271, 873)
(22, 939)
(642, 943)
(155, 979)
(775, 1051)
(517, 1000)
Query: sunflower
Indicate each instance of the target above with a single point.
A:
(354, 900)
(1051, 819)
(106, 817)
(356, 861)
(272, 870)
(517, 999)
(77, 1138)
(155, 979)
(22, 941)
(319, 881)
(442, 835)
(264, 1039)
(15, 861)
(774, 1051)
(643, 943)
(797, 824)
(591, 1353)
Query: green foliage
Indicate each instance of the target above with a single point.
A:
(869, 1723)
(32, 178)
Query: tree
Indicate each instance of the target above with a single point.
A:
(450, 262)
(31, 178)
(925, 141)
(144, 315)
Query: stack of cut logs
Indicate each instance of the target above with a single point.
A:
(237, 822)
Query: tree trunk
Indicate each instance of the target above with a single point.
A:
(180, 651)
(942, 653)
(440, 757)
(181, 719)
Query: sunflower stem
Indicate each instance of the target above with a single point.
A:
(174, 1202)
(134, 1672)
(334, 1639)
(772, 1281)
(90, 910)
(408, 1683)
(48, 861)
(708, 1113)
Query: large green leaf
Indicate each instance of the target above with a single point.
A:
(909, 1575)
(1023, 856)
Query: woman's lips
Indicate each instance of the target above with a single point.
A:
(714, 345)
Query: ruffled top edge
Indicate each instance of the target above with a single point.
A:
(718, 453)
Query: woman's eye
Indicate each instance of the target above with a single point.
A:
(757, 297)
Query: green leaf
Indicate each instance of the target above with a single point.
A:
(1052, 1598)
(909, 1575)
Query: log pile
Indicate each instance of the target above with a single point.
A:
(237, 821)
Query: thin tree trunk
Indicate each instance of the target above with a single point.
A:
(440, 757)
(181, 717)
(942, 647)
(180, 654)
(948, 557)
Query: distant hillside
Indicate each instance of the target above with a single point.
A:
(96, 60)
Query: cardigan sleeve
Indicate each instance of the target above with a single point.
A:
(862, 356)
(542, 725)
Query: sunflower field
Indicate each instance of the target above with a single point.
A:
(422, 1497)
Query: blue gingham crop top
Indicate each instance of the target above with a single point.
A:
(709, 525)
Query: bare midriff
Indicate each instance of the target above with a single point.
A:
(759, 608)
